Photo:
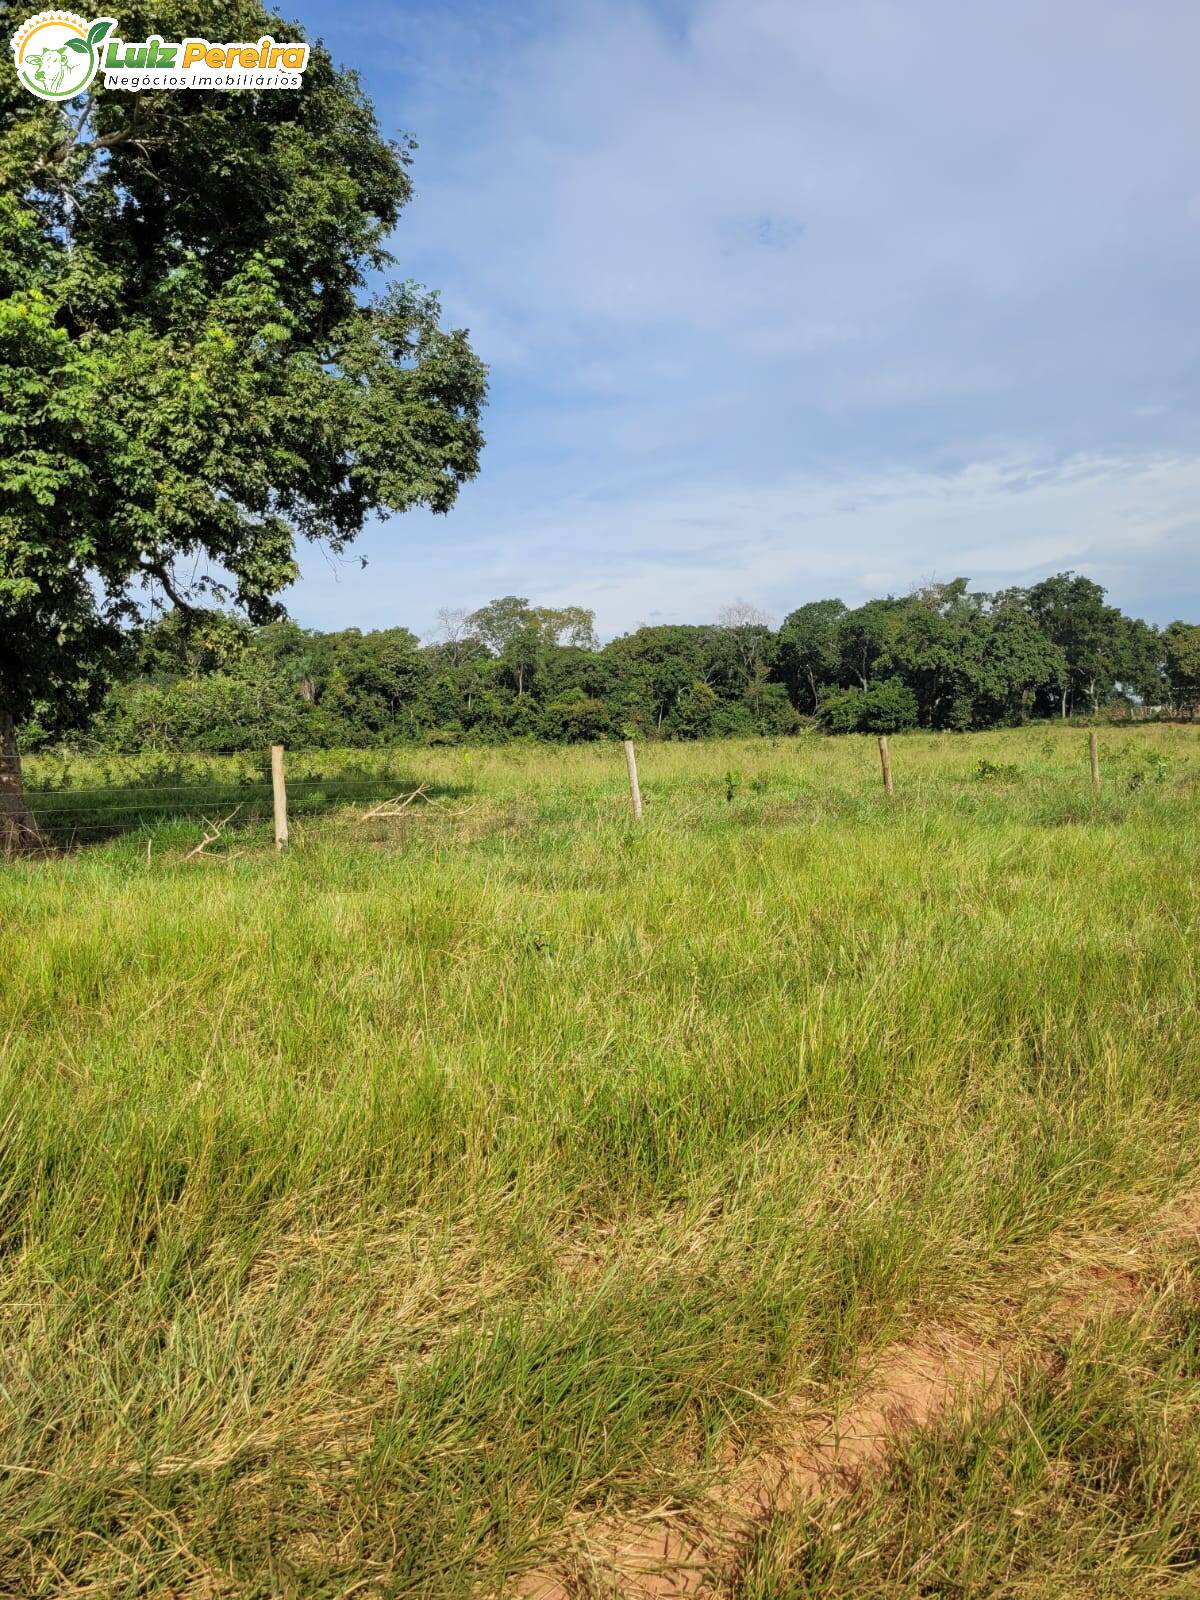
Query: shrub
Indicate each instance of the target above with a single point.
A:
(218, 714)
(997, 771)
(1142, 765)
(772, 711)
(886, 707)
(889, 707)
(843, 710)
(697, 713)
(573, 717)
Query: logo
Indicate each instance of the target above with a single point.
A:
(58, 54)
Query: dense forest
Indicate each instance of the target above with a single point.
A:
(943, 657)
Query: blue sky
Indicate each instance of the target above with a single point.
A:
(792, 298)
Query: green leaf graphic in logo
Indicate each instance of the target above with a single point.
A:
(57, 53)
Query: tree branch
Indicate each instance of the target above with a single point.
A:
(59, 152)
(156, 569)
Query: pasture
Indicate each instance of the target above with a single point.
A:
(393, 1216)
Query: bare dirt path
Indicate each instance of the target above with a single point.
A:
(666, 1554)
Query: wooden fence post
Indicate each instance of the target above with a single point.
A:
(885, 761)
(1094, 756)
(279, 791)
(635, 792)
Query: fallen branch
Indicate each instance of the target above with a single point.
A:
(397, 803)
(218, 828)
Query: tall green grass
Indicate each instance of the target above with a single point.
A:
(370, 1212)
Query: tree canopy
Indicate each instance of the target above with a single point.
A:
(201, 359)
(944, 657)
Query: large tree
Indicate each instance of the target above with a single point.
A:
(971, 659)
(865, 637)
(1097, 649)
(810, 651)
(201, 362)
(653, 668)
(521, 635)
(1181, 663)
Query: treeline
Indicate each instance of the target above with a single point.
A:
(941, 658)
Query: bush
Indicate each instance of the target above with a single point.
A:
(773, 712)
(452, 734)
(218, 714)
(997, 771)
(887, 707)
(1142, 765)
(573, 717)
(700, 713)
(843, 710)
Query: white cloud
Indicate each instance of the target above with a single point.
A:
(791, 296)
(679, 554)
(622, 173)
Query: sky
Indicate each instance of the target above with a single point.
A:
(785, 299)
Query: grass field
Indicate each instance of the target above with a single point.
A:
(376, 1215)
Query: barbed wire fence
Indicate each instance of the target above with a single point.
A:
(55, 815)
(211, 807)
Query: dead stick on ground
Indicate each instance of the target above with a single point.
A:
(635, 792)
(218, 828)
(885, 761)
(381, 809)
(1094, 757)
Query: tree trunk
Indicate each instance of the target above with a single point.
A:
(18, 830)
(1064, 705)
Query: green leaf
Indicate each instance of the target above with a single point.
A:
(108, 451)
(77, 45)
